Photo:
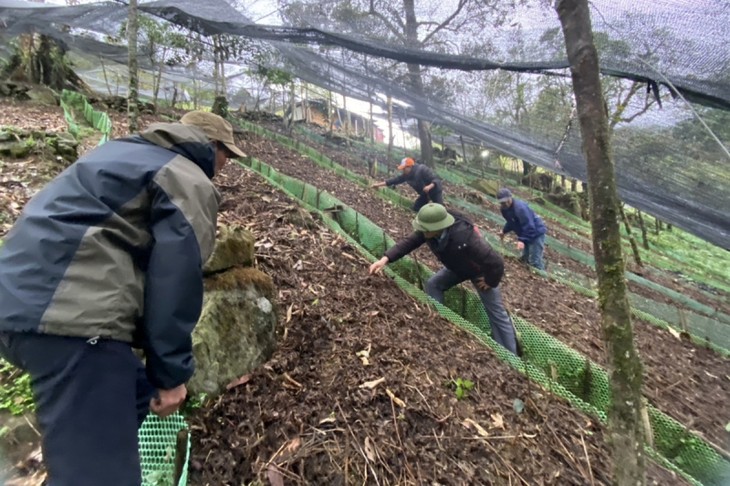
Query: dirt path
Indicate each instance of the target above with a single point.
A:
(682, 379)
(306, 418)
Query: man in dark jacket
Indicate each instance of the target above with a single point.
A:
(528, 226)
(109, 256)
(421, 178)
(457, 244)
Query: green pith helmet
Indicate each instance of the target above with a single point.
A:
(432, 217)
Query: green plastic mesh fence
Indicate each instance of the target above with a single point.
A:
(71, 102)
(710, 332)
(157, 437)
(546, 360)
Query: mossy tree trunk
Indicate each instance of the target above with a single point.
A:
(630, 234)
(133, 95)
(390, 133)
(414, 72)
(625, 423)
(39, 59)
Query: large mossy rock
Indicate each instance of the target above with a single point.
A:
(236, 331)
(487, 186)
(570, 201)
(233, 248)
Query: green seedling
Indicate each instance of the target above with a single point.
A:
(462, 387)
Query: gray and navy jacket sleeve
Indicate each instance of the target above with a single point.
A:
(112, 248)
(182, 224)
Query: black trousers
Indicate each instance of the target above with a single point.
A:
(435, 195)
(91, 398)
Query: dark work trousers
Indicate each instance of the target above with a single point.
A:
(91, 397)
(435, 195)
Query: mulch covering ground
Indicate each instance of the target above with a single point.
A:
(689, 382)
(361, 388)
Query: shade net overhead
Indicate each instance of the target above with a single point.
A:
(493, 72)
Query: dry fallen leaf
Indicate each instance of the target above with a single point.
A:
(395, 399)
(288, 313)
(468, 423)
(497, 421)
(364, 355)
(674, 333)
(372, 384)
(239, 381)
(369, 450)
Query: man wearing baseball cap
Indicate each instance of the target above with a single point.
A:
(105, 258)
(457, 244)
(421, 178)
(528, 226)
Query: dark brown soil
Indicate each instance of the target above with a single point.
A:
(682, 379)
(306, 417)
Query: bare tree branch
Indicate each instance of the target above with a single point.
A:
(462, 4)
(388, 23)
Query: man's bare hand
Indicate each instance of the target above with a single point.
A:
(169, 401)
(428, 188)
(481, 284)
(520, 245)
(378, 266)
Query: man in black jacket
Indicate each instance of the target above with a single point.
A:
(457, 244)
(421, 178)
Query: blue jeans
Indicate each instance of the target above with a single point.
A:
(532, 254)
(503, 331)
(91, 398)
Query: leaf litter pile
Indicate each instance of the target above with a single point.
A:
(690, 386)
(369, 386)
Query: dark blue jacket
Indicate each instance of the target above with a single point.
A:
(523, 221)
(419, 177)
(114, 247)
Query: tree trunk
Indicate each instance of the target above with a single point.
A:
(632, 240)
(391, 136)
(106, 79)
(573, 185)
(644, 237)
(414, 72)
(372, 124)
(330, 117)
(626, 432)
(292, 104)
(305, 102)
(132, 96)
(346, 122)
(463, 148)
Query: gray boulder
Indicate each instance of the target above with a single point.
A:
(236, 331)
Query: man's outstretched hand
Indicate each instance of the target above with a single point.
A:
(378, 266)
(169, 401)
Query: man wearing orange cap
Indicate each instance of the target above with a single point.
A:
(421, 178)
(109, 257)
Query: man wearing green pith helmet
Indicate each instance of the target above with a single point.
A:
(465, 254)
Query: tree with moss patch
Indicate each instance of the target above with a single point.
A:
(625, 368)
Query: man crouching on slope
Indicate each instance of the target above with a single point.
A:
(109, 256)
(457, 244)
